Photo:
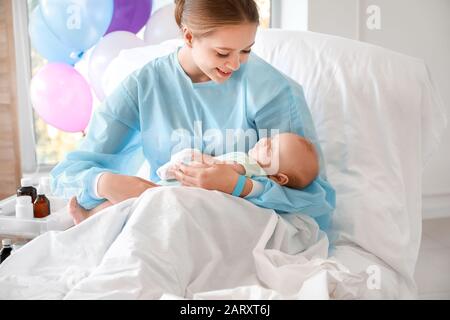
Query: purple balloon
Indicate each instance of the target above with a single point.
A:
(129, 15)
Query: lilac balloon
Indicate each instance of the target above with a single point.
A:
(106, 50)
(130, 15)
(162, 26)
(62, 97)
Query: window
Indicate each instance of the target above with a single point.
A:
(51, 144)
(264, 12)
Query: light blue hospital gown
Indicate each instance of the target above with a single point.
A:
(158, 111)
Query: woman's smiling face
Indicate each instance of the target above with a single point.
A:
(223, 51)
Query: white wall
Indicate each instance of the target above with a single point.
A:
(419, 28)
(290, 14)
(339, 17)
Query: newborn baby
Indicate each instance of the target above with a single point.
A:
(288, 159)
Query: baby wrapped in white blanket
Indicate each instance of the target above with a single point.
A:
(287, 158)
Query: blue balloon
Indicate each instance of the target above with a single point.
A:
(78, 23)
(47, 44)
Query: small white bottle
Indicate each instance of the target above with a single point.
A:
(45, 182)
(24, 208)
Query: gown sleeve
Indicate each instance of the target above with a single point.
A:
(112, 144)
(288, 111)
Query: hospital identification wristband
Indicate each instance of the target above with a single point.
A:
(239, 187)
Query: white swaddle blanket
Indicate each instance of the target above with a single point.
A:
(252, 168)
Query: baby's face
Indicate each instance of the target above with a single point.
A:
(267, 153)
(288, 158)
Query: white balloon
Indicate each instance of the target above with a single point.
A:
(162, 26)
(133, 59)
(108, 48)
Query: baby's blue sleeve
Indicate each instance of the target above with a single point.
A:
(288, 112)
(113, 143)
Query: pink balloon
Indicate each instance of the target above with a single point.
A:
(62, 97)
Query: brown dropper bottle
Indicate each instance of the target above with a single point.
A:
(27, 189)
(41, 205)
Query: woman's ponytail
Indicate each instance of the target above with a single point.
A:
(179, 12)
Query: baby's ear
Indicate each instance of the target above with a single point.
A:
(280, 178)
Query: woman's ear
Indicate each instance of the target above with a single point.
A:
(280, 178)
(187, 36)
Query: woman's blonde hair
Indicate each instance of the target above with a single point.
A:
(203, 16)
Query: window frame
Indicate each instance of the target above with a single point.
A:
(275, 14)
(29, 163)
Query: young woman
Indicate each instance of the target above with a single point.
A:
(213, 84)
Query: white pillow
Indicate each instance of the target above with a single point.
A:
(378, 118)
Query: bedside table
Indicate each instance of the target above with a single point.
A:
(14, 239)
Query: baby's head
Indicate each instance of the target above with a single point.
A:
(288, 159)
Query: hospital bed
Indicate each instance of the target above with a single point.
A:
(378, 119)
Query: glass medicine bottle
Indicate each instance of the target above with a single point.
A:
(41, 206)
(6, 250)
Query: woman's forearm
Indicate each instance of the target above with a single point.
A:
(103, 185)
(117, 188)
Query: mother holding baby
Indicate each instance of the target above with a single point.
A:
(211, 84)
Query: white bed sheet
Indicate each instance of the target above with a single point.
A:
(173, 243)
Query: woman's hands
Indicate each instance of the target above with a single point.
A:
(220, 177)
(117, 188)
(211, 176)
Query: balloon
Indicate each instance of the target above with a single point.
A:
(130, 15)
(62, 97)
(78, 23)
(47, 44)
(107, 49)
(162, 26)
